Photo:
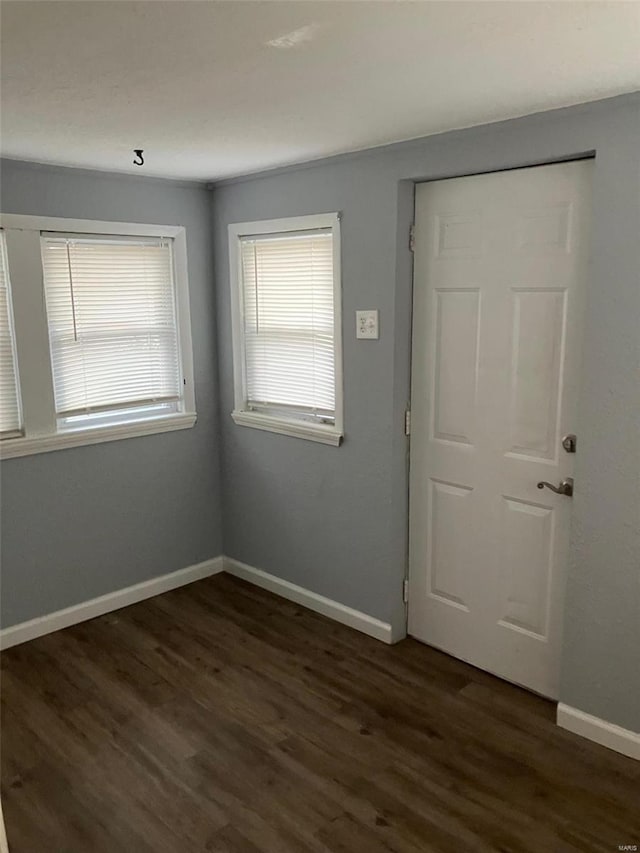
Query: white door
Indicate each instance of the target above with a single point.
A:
(500, 263)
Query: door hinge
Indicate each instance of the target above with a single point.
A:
(412, 238)
(405, 590)
(407, 422)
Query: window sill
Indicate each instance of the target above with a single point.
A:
(14, 447)
(296, 429)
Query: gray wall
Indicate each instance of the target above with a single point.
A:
(334, 520)
(83, 522)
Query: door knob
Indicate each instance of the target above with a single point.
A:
(565, 487)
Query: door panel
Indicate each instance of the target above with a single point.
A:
(537, 350)
(499, 270)
(449, 507)
(527, 548)
(456, 363)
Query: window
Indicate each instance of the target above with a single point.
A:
(285, 281)
(10, 420)
(102, 331)
(112, 328)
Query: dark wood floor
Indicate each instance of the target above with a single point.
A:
(218, 717)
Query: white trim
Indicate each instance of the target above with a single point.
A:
(240, 414)
(599, 731)
(289, 223)
(183, 318)
(86, 226)
(4, 847)
(288, 426)
(31, 331)
(326, 606)
(17, 427)
(11, 448)
(25, 631)
(337, 324)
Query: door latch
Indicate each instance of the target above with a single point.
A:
(565, 487)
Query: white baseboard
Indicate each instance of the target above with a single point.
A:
(4, 847)
(25, 631)
(593, 728)
(106, 603)
(325, 606)
(599, 731)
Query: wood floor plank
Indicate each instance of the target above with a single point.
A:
(219, 717)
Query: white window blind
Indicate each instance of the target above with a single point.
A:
(9, 399)
(112, 325)
(288, 316)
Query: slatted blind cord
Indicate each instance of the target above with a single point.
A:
(73, 302)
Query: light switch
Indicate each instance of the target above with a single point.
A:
(367, 325)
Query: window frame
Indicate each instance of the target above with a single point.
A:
(26, 276)
(18, 432)
(296, 427)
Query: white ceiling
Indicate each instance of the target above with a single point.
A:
(214, 89)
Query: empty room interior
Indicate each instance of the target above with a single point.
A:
(320, 426)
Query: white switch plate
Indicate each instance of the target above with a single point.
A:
(367, 325)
